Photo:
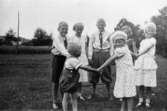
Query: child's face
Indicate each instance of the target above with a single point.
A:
(79, 31)
(119, 43)
(101, 26)
(63, 30)
(147, 35)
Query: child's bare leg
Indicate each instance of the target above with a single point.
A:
(123, 104)
(65, 102)
(130, 104)
(80, 93)
(75, 101)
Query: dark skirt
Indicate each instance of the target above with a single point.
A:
(57, 67)
(69, 81)
(98, 58)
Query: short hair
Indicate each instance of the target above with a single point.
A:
(62, 24)
(74, 49)
(150, 28)
(78, 25)
(101, 20)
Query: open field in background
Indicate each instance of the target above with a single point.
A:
(25, 86)
(25, 49)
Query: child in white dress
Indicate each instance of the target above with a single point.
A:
(146, 66)
(124, 88)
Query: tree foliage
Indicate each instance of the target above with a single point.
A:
(161, 23)
(10, 37)
(137, 33)
(41, 37)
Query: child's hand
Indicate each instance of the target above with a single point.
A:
(99, 70)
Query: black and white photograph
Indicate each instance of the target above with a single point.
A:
(83, 55)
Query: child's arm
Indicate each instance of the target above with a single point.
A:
(108, 61)
(87, 68)
(145, 50)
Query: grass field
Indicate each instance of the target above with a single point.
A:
(25, 86)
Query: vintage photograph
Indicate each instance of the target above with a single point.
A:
(83, 55)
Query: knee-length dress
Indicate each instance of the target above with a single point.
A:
(145, 65)
(125, 76)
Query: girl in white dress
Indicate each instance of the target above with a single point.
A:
(124, 88)
(82, 41)
(146, 66)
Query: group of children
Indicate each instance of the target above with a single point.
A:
(74, 56)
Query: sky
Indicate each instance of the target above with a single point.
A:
(47, 14)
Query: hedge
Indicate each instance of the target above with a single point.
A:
(24, 50)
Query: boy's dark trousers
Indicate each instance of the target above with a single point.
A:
(57, 67)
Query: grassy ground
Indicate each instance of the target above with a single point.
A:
(25, 86)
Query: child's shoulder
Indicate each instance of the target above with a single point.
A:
(72, 59)
(151, 40)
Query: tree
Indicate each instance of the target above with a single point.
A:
(137, 32)
(161, 23)
(41, 37)
(10, 37)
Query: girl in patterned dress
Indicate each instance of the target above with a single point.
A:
(124, 88)
(145, 65)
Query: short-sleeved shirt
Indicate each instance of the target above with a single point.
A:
(72, 63)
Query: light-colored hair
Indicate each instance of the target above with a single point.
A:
(62, 24)
(74, 49)
(78, 25)
(119, 35)
(150, 28)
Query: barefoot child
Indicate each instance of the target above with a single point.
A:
(145, 65)
(125, 80)
(69, 82)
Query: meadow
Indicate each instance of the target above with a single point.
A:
(25, 85)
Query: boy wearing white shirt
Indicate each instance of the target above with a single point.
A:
(59, 53)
